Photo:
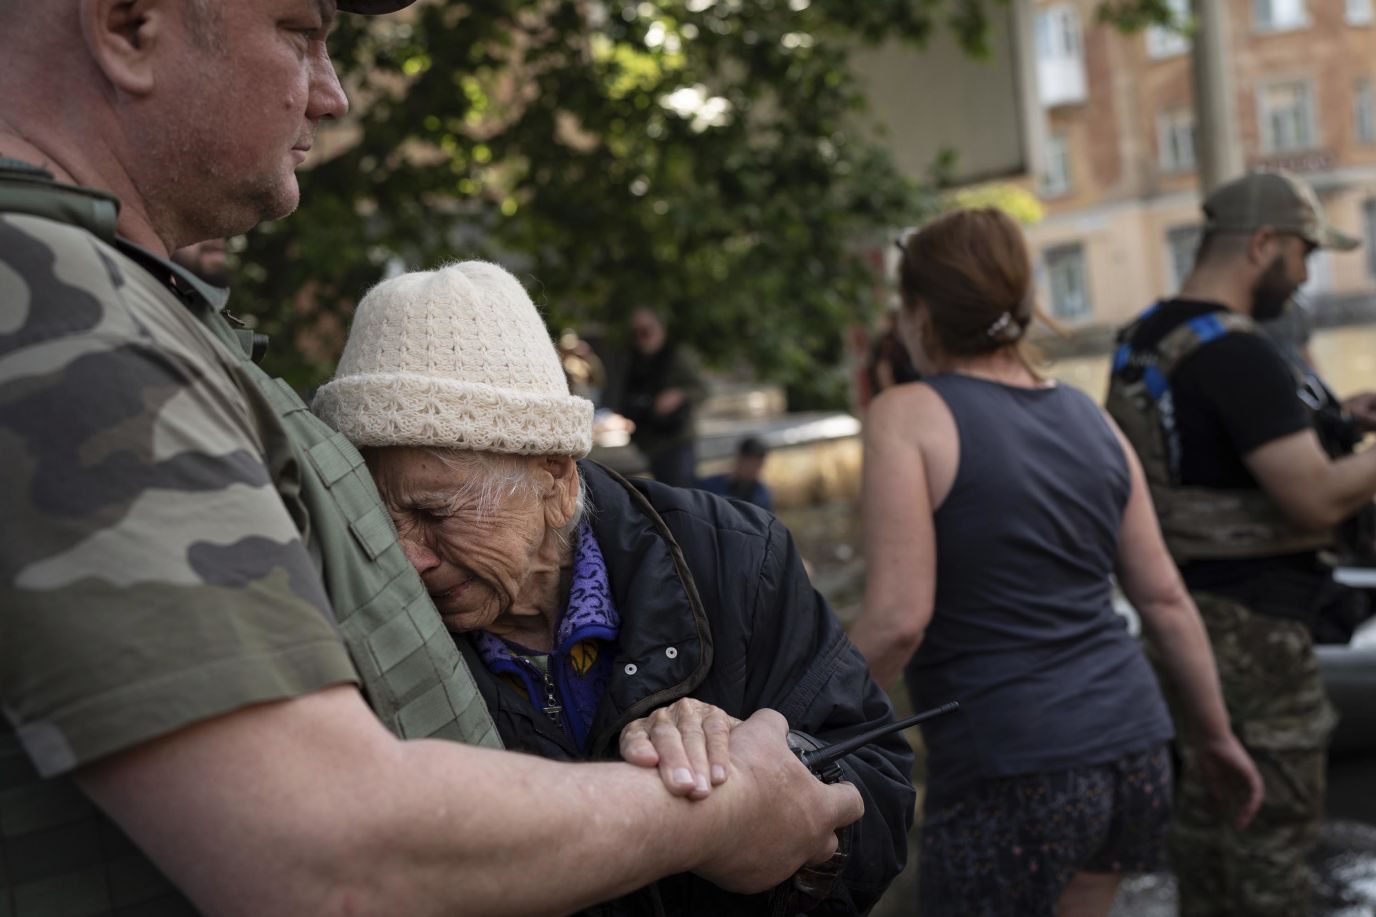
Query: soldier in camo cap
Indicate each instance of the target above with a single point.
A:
(198, 585)
(1250, 486)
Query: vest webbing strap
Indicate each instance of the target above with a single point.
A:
(1198, 523)
(416, 680)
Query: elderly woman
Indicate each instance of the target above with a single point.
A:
(587, 602)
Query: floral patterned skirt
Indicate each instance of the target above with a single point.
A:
(1010, 846)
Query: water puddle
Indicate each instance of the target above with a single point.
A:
(1344, 867)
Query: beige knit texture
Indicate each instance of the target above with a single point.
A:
(457, 357)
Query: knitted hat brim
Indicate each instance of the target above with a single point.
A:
(406, 409)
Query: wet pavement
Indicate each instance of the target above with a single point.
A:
(1344, 867)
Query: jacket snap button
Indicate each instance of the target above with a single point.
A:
(631, 669)
(671, 652)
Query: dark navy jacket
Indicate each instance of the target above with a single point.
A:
(715, 604)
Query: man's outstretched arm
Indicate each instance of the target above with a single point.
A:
(310, 806)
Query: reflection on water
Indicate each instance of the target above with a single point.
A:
(1346, 358)
(1344, 867)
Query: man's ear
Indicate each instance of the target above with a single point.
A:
(121, 36)
(559, 474)
(1261, 247)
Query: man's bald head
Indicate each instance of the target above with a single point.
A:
(195, 113)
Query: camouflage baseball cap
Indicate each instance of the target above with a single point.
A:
(1276, 199)
(373, 7)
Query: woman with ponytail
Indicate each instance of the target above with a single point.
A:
(997, 505)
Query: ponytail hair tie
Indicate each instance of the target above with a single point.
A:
(1000, 325)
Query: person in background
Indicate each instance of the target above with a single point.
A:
(743, 481)
(582, 366)
(1254, 484)
(207, 260)
(890, 363)
(997, 505)
(659, 388)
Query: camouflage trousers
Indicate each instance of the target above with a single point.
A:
(1279, 711)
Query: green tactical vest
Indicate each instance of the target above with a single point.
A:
(414, 676)
(1198, 523)
(417, 681)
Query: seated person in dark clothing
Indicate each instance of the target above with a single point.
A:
(743, 482)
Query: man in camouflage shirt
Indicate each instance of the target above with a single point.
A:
(175, 644)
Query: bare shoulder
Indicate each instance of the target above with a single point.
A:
(907, 400)
(913, 411)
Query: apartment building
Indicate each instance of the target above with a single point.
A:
(1119, 180)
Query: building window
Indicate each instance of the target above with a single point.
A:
(1056, 180)
(1369, 227)
(1278, 15)
(1285, 112)
(1320, 280)
(1175, 140)
(1359, 12)
(1170, 40)
(1364, 112)
(1182, 244)
(1065, 270)
(1060, 56)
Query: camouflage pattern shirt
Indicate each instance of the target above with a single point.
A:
(151, 571)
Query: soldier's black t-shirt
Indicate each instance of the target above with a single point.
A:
(1232, 395)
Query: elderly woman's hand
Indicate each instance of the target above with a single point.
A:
(688, 740)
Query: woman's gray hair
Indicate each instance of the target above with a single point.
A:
(490, 477)
(206, 22)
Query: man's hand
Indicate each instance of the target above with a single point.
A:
(689, 741)
(1362, 408)
(776, 814)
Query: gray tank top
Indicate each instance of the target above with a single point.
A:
(1024, 633)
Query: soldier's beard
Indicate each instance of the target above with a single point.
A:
(1272, 291)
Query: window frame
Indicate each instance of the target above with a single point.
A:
(1364, 112)
(1163, 42)
(1311, 121)
(1065, 20)
(1058, 150)
(1168, 124)
(1269, 26)
(1369, 230)
(1192, 232)
(1052, 257)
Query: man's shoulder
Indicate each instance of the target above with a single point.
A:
(1231, 352)
(49, 261)
(65, 292)
(57, 277)
(1166, 317)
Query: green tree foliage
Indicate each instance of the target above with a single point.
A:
(1131, 15)
(696, 155)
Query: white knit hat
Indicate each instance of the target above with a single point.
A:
(457, 357)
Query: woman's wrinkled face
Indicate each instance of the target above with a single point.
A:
(473, 546)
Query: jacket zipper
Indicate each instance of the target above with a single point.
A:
(552, 709)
